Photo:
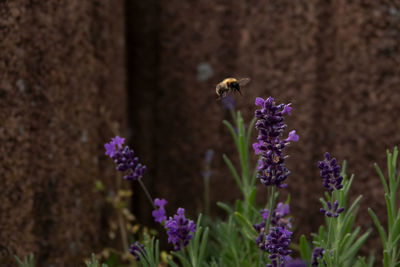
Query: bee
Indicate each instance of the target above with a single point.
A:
(230, 84)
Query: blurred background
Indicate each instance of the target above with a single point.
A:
(73, 74)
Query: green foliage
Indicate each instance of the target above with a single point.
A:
(28, 261)
(233, 239)
(231, 242)
(149, 256)
(94, 262)
(391, 236)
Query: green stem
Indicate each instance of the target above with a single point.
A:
(271, 203)
(207, 195)
(146, 193)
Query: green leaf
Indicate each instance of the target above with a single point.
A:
(171, 262)
(396, 228)
(233, 171)
(252, 197)
(305, 251)
(351, 252)
(181, 258)
(254, 176)
(247, 226)
(343, 242)
(378, 225)
(203, 245)
(380, 174)
(225, 207)
(239, 206)
(389, 212)
(232, 131)
(354, 204)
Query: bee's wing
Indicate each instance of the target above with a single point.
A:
(244, 81)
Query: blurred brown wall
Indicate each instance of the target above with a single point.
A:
(62, 80)
(62, 71)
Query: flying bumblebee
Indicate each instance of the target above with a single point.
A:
(230, 84)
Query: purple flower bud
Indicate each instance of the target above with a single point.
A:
(259, 101)
(179, 229)
(317, 253)
(330, 173)
(137, 249)
(293, 137)
(159, 215)
(333, 210)
(287, 109)
(124, 158)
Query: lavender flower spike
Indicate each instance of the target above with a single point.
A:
(110, 147)
(330, 173)
(270, 145)
(277, 245)
(136, 249)
(179, 229)
(159, 215)
(317, 253)
(332, 211)
(125, 159)
(277, 220)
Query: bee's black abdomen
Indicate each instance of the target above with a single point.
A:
(235, 86)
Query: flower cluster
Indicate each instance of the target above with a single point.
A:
(333, 210)
(159, 215)
(270, 146)
(179, 229)
(330, 173)
(277, 244)
(317, 253)
(136, 249)
(125, 159)
(331, 180)
(277, 220)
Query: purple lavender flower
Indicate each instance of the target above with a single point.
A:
(179, 228)
(277, 220)
(332, 210)
(125, 159)
(110, 147)
(277, 245)
(270, 145)
(287, 109)
(136, 250)
(228, 102)
(317, 253)
(330, 173)
(293, 137)
(159, 215)
(294, 263)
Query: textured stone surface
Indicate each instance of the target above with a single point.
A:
(61, 69)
